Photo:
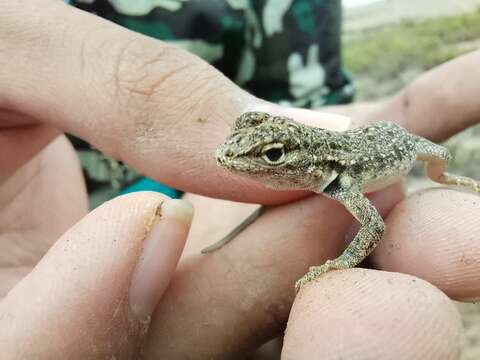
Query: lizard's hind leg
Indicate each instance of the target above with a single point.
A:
(436, 158)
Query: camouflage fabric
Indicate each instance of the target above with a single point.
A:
(286, 51)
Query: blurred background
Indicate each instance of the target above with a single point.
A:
(379, 52)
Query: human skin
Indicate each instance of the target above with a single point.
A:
(141, 101)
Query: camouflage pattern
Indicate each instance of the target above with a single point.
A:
(285, 51)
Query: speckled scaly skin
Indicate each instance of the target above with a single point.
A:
(286, 155)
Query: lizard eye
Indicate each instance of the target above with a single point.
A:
(273, 153)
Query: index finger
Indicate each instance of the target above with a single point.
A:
(152, 105)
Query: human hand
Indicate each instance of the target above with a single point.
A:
(125, 94)
(109, 123)
(158, 108)
(356, 313)
(85, 281)
(84, 291)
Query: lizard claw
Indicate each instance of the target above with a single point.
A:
(314, 272)
(299, 284)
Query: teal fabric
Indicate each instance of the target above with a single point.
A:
(146, 184)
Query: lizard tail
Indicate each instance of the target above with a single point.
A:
(234, 233)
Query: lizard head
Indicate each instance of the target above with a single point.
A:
(272, 150)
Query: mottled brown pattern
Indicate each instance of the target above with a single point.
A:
(284, 154)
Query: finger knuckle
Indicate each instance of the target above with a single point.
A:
(152, 79)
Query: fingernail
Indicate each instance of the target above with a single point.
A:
(159, 257)
(308, 117)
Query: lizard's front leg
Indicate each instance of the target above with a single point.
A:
(347, 191)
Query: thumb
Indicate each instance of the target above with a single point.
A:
(93, 293)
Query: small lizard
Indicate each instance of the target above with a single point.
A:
(343, 165)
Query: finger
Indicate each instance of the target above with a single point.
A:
(227, 303)
(18, 144)
(437, 105)
(138, 99)
(368, 314)
(433, 234)
(100, 281)
(449, 108)
(38, 203)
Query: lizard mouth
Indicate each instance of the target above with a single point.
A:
(233, 162)
(241, 161)
(223, 157)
